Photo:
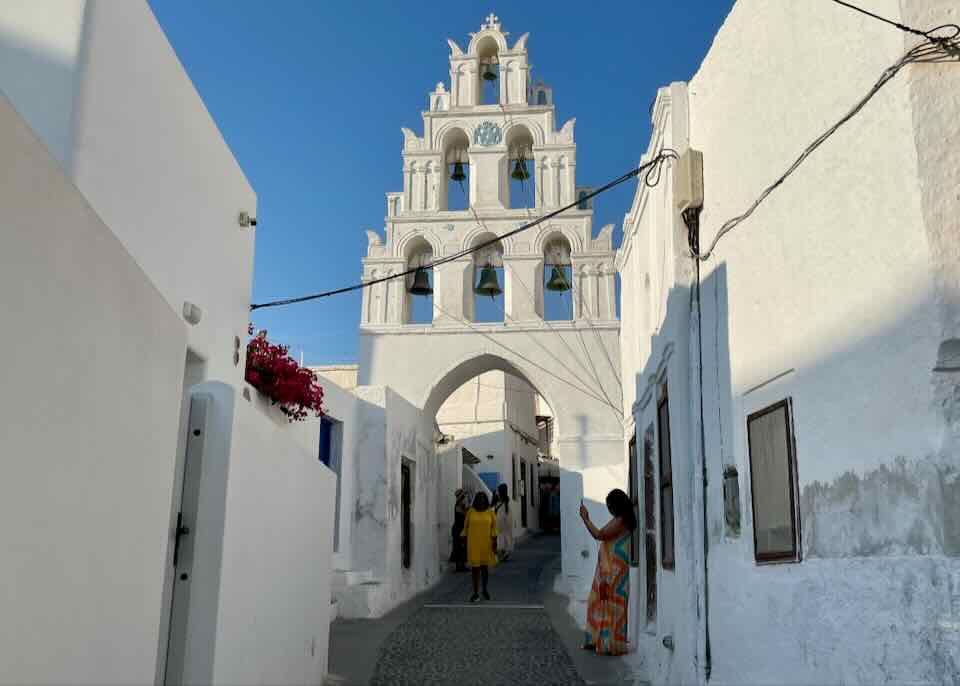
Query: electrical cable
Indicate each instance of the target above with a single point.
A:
(492, 339)
(904, 27)
(585, 312)
(650, 168)
(936, 50)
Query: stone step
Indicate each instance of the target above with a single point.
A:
(343, 578)
(361, 601)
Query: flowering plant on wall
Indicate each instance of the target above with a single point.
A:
(275, 374)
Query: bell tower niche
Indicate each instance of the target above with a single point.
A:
(490, 158)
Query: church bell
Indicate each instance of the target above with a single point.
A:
(489, 73)
(458, 174)
(421, 283)
(488, 284)
(558, 282)
(520, 172)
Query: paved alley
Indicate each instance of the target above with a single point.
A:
(523, 635)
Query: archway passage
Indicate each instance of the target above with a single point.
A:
(490, 430)
(572, 365)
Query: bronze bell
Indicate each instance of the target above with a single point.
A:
(458, 174)
(558, 282)
(488, 284)
(520, 172)
(421, 283)
(489, 73)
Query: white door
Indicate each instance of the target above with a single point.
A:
(185, 534)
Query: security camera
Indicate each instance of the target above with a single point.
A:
(246, 220)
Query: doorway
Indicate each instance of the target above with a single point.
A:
(184, 534)
(523, 493)
(405, 516)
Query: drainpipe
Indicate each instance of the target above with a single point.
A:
(691, 217)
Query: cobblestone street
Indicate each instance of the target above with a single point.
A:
(521, 636)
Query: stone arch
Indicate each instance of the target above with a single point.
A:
(476, 232)
(486, 36)
(444, 134)
(473, 364)
(533, 128)
(406, 244)
(548, 232)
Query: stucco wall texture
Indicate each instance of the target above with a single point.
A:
(837, 293)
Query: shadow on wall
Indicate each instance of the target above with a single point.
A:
(39, 70)
(876, 454)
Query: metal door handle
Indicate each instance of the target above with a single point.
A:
(183, 530)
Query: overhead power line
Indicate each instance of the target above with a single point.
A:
(908, 29)
(936, 49)
(651, 177)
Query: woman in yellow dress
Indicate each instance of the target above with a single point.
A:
(480, 530)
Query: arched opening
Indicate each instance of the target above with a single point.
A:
(498, 433)
(488, 279)
(522, 190)
(557, 279)
(488, 73)
(455, 189)
(418, 295)
(541, 97)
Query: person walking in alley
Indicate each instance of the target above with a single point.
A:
(501, 508)
(458, 554)
(480, 532)
(610, 593)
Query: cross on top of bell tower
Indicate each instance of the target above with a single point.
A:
(492, 22)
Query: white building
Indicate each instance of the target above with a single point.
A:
(128, 435)
(829, 383)
(482, 130)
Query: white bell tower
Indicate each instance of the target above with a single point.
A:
(485, 142)
(492, 158)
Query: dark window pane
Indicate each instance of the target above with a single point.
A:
(663, 422)
(326, 435)
(772, 483)
(666, 509)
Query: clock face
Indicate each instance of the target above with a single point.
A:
(487, 133)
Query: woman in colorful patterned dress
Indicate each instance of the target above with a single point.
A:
(610, 594)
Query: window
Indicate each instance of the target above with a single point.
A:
(582, 203)
(541, 97)
(773, 484)
(331, 441)
(650, 526)
(635, 500)
(666, 481)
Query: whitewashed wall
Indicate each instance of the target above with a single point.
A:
(836, 293)
(341, 405)
(274, 597)
(391, 430)
(88, 457)
(103, 88)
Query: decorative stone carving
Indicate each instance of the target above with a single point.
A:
(487, 134)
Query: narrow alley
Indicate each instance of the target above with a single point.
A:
(523, 635)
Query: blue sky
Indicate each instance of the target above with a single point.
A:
(311, 97)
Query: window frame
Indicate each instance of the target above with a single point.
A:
(796, 553)
(665, 481)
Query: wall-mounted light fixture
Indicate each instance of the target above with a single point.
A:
(245, 220)
(191, 313)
